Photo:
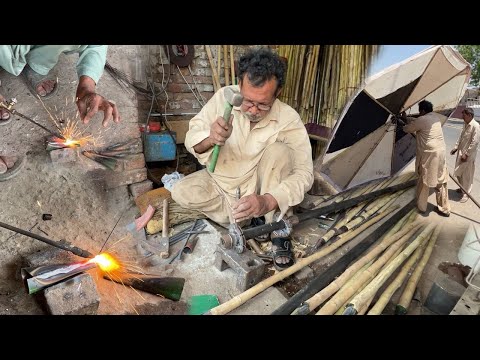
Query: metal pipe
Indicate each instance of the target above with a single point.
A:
(61, 245)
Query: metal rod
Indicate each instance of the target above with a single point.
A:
(73, 249)
(15, 112)
(464, 191)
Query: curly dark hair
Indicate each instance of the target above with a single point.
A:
(425, 106)
(261, 65)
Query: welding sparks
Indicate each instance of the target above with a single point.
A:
(67, 125)
(106, 262)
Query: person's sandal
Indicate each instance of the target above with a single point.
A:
(33, 79)
(14, 170)
(283, 248)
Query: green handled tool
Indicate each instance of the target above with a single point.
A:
(233, 98)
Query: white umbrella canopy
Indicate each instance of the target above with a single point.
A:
(365, 144)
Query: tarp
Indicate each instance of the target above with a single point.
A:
(365, 143)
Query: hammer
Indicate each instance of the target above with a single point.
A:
(234, 98)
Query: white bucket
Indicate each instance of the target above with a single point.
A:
(469, 253)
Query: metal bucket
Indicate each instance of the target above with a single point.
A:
(469, 253)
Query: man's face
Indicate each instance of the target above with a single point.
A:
(466, 117)
(257, 101)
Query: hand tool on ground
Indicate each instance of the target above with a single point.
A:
(180, 252)
(59, 244)
(164, 243)
(9, 107)
(233, 98)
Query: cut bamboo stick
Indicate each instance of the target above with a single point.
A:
(335, 285)
(407, 295)
(397, 282)
(265, 284)
(379, 280)
(342, 296)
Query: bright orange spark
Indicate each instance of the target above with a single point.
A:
(106, 262)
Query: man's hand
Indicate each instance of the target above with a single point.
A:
(89, 102)
(253, 206)
(220, 130)
(464, 157)
(453, 151)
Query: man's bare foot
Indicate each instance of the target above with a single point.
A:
(7, 162)
(46, 87)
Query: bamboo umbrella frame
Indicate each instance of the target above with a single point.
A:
(380, 279)
(265, 284)
(407, 295)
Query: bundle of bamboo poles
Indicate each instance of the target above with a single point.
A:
(321, 79)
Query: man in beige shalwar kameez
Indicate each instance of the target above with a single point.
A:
(430, 162)
(265, 152)
(467, 146)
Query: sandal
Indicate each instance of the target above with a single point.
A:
(283, 248)
(14, 170)
(33, 79)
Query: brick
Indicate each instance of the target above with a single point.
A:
(75, 296)
(63, 156)
(140, 188)
(116, 179)
(178, 79)
(132, 162)
(51, 256)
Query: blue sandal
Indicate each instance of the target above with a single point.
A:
(33, 79)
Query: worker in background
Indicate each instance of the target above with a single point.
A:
(430, 162)
(467, 146)
(34, 62)
(265, 152)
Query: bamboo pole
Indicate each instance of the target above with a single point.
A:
(379, 280)
(232, 66)
(407, 295)
(397, 282)
(365, 308)
(219, 61)
(225, 65)
(265, 284)
(342, 296)
(335, 286)
(349, 283)
(216, 82)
